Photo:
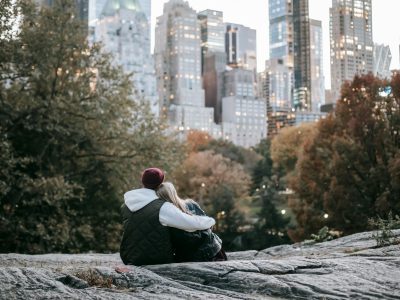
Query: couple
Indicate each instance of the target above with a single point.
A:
(160, 227)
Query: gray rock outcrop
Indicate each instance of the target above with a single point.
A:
(351, 267)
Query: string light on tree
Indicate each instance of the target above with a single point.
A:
(326, 216)
(283, 211)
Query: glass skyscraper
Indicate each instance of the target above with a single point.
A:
(317, 73)
(281, 31)
(123, 28)
(351, 41)
(211, 33)
(301, 51)
(281, 62)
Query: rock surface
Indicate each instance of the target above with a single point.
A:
(347, 268)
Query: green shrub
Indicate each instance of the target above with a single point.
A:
(384, 235)
(324, 235)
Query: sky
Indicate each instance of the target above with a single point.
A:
(254, 14)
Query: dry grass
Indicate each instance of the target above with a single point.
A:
(93, 278)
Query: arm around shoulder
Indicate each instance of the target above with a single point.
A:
(171, 216)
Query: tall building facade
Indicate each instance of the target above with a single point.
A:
(263, 85)
(213, 58)
(351, 41)
(280, 65)
(382, 60)
(241, 46)
(122, 27)
(243, 114)
(290, 53)
(178, 67)
(211, 33)
(213, 81)
(302, 56)
(281, 31)
(316, 59)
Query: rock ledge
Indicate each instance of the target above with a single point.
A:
(349, 267)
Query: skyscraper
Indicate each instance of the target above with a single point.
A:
(280, 66)
(241, 46)
(351, 41)
(382, 60)
(122, 27)
(316, 60)
(243, 114)
(281, 31)
(213, 58)
(178, 66)
(301, 51)
(211, 33)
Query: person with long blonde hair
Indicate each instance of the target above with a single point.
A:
(203, 245)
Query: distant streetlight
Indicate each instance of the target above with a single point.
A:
(202, 191)
(283, 211)
(326, 216)
(220, 217)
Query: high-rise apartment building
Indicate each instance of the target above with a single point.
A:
(280, 65)
(316, 60)
(289, 41)
(243, 114)
(241, 46)
(281, 31)
(263, 85)
(302, 56)
(382, 60)
(178, 67)
(351, 41)
(122, 27)
(213, 58)
(211, 33)
(239, 82)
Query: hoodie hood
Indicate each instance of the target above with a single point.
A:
(137, 199)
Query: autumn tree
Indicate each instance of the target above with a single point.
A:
(196, 140)
(287, 146)
(247, 157)
(349, 170)
(73, 134)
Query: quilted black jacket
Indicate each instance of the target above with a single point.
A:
(145, 241)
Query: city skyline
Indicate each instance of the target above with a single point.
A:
(384, 16)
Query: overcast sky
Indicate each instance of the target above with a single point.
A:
(254, 14)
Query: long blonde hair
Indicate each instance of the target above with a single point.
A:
(166, 191)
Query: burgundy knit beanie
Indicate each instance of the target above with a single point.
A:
(152, 178)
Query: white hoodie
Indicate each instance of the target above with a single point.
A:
(169, 214)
